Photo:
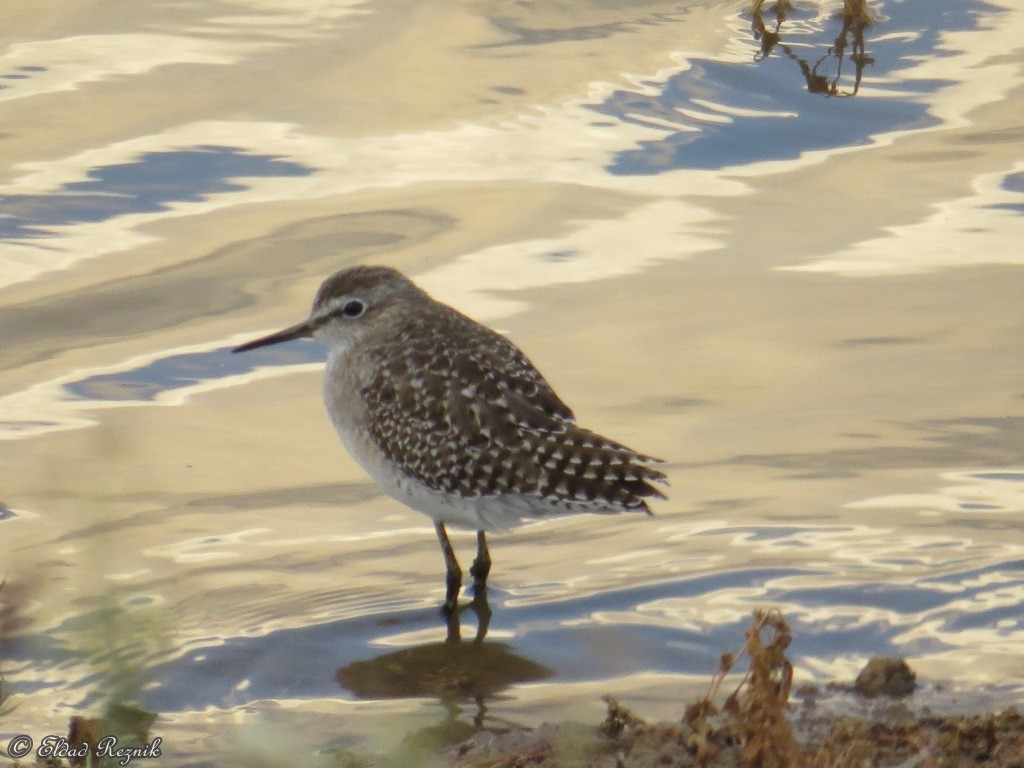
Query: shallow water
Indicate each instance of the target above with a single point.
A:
(794, 273)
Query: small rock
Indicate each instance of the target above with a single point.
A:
(885, 677)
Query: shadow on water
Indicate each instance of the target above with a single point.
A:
(153, 182)
(147, 382)
(453, 671)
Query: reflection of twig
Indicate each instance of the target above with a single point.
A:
(855, 19)
(768, 38)
(857, 11)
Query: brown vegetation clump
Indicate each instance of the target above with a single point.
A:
(753, 716)
(758, 706)
(750, 730)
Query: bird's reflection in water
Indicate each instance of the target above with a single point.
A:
(855, 19)
(454, 671)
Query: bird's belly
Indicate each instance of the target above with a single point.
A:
(488, 513)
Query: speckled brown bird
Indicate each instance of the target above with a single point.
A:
(452, 419)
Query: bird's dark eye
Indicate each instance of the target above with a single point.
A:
(353, 309)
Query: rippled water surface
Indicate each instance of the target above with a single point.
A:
(783, 253)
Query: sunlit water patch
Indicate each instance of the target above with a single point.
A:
(995, 492)
(984, 227)
(35, 68)
(40, 67)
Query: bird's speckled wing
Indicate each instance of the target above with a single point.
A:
(477, 419)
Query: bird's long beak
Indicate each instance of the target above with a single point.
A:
(300, 331)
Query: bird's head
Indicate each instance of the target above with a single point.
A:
(349, 304)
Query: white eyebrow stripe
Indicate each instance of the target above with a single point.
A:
(333, 308)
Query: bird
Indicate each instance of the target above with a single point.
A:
(452, 419)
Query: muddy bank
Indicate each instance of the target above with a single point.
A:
(760, 725)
